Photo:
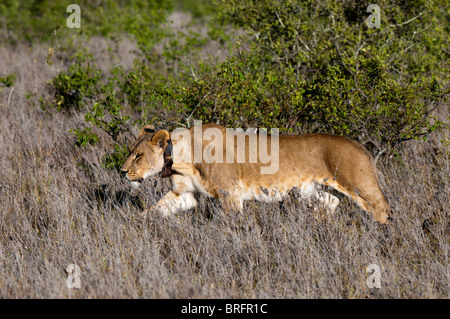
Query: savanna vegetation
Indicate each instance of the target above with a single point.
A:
(72, 100)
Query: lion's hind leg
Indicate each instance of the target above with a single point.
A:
(319, 199)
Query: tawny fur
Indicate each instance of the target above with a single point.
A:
(304, 162)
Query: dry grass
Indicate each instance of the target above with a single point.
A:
(55, 213)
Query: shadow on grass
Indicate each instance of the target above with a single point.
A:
(105, 194)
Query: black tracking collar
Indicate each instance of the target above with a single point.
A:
(168, 161)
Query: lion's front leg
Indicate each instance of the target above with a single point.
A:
(231, 202)
(173, 202)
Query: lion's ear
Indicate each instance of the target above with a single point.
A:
(160, 138)
(147, 128)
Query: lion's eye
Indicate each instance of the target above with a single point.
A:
(138, 157)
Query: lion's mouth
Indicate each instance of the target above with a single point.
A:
(136, 183)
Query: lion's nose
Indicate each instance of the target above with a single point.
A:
(124, 171)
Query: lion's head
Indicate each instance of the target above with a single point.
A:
(146, 155)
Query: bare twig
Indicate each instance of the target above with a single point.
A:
(380, 152)
(9, 97)
(195, 108)
(410, 20)
(279, 20)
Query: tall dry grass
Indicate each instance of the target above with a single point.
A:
(55, 213)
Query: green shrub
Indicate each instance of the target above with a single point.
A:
(115, 160)
(8, 80)
(85, 137)
(106, 115)
(82, 80)
(354, 97)
(316, 66)
(302, 33)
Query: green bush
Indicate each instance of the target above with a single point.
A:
(413, 35)
(107, 116)
(8, 80)
(85, 136)
(115, 160)
(82, 80)
(357, 98)
(316, 67)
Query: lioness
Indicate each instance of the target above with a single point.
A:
(304, 162)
